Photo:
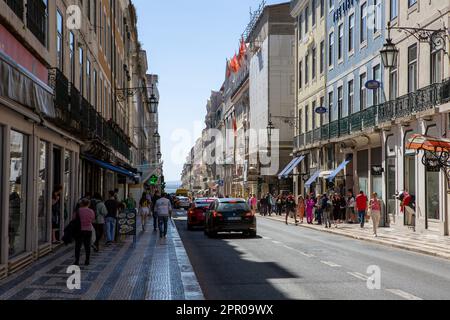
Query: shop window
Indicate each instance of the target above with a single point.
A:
(67, 185)
(377, 180)
(432, 189)
(391, 183)
(43, 193)
(17, 194)
(363, 170)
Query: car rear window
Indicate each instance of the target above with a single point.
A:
(233, 206)
(202, 204)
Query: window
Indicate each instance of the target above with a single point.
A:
(72, 56)
(313, 112)
(340, 102)
(363, 23)
(377, 16)
(307, 118)
(88, 10)
(300, 27)
(300, 74)
(393, 84)
(351, 98)
(331, 4)
(59, 40)
(314, 63)
(436, 66)
(362, 92)
(313, 12)
(432, 188)
(306, 68)
(393, 9)
(341, 42)
(322, 56)
(95, 92)
(322, 104)
(100, 25)
(94, 14)
(43, 194)
(331, 49)
(306, 20)
(81, 57)
(67, 184)
(411, 3)
(88, 80)
(412, 68)
(330, 105)
(322, 8)
(351, 32)
(17, 193)
(376, 93)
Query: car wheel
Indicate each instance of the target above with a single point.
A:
(252, 233)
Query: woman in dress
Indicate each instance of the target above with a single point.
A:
(310, 209)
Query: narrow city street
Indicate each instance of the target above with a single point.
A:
(287, 262)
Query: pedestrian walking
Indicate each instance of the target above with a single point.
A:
(326, 211)
(163, 209)
(301, 208)
(83, 238)
(99, 224)
(375, 212)
(310, 209)
(155, 198)
(319, 210)
(269, 204)
(361, 207)
(350, 210)
(56, 213)
(336, 209)
(291, 209)
(263, 206)
(144, 210)
(130, 203)
(112, 205)
(254, 204)
(280, 204)
(342, 208)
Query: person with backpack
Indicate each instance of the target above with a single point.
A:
(99, 224)
(83, 237)
(144, 210)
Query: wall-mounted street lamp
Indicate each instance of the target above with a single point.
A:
(436, 38)
(123, 93)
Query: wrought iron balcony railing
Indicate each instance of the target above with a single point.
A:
(17, 7)
(308, 137)
(37, 19)
(334, 129)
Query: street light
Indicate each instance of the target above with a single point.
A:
(157, 138)
(153, 103)
(389, 53)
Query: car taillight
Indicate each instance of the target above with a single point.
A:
(217, 214)
(249, 214)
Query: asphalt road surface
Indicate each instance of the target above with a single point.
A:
(287, 262)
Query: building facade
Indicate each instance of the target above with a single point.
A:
(64, 126)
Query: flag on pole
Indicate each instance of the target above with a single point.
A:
(234, 64)
(242, 50)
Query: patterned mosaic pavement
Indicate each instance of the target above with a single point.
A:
(150, 269)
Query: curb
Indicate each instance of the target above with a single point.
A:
(372, 240)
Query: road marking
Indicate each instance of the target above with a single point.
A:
(331, 264)
(266, 238)
(359, 276)
(307, 254)
(403, 294)
(277, 242)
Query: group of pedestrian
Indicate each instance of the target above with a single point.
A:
(94, 218)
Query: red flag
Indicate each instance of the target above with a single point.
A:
(235, 66)
(242, 50)
(235, 126)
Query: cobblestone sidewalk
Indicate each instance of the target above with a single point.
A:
(429, 244)
(151, 269)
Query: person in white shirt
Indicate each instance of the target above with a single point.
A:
(163, 210)
(351, 216)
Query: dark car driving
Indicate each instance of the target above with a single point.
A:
(196, 214)
(230, 215)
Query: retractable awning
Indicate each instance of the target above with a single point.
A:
(290, 167)
(342, 166)
(313, 179)
(109, 166)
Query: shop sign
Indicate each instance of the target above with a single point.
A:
(373, 85)
(377, 170)
(321, 110)
(343, 8)
(127, 223)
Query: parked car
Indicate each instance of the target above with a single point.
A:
(230, 215)
(197, 212)
(182, 203)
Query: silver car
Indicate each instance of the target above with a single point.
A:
(182, 202)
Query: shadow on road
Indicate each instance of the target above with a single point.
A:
(226, 270)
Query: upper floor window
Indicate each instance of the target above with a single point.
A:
(341, 42)
(393, 5)
(411, 3)
(362, 91)
(72, 56)
(306, 20)
(59, 40)
(313, 12)
(330, 49)
(363, 23)
(376, 93)
(412, 68)
(322, 56)
(351, 32)
(322, 8)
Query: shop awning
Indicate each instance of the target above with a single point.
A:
(109, 166)
(313, 179)
(290, 167)
(339, 169)
(427, 143)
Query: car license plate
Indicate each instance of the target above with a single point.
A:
(234, 219)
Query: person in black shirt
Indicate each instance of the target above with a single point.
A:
(112, 206)
(155, 198)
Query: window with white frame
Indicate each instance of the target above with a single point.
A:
(351, 32)
(412, 68)
(362, 92)
(363, 24)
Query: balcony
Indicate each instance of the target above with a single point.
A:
(17, 7)
(344, 126)
(308, 137)
(76, 115)
(334, 129)
(37, 19)
(299, 141)
(317, 134)
(325, 132)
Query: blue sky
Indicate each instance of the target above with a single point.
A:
(187, 43)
